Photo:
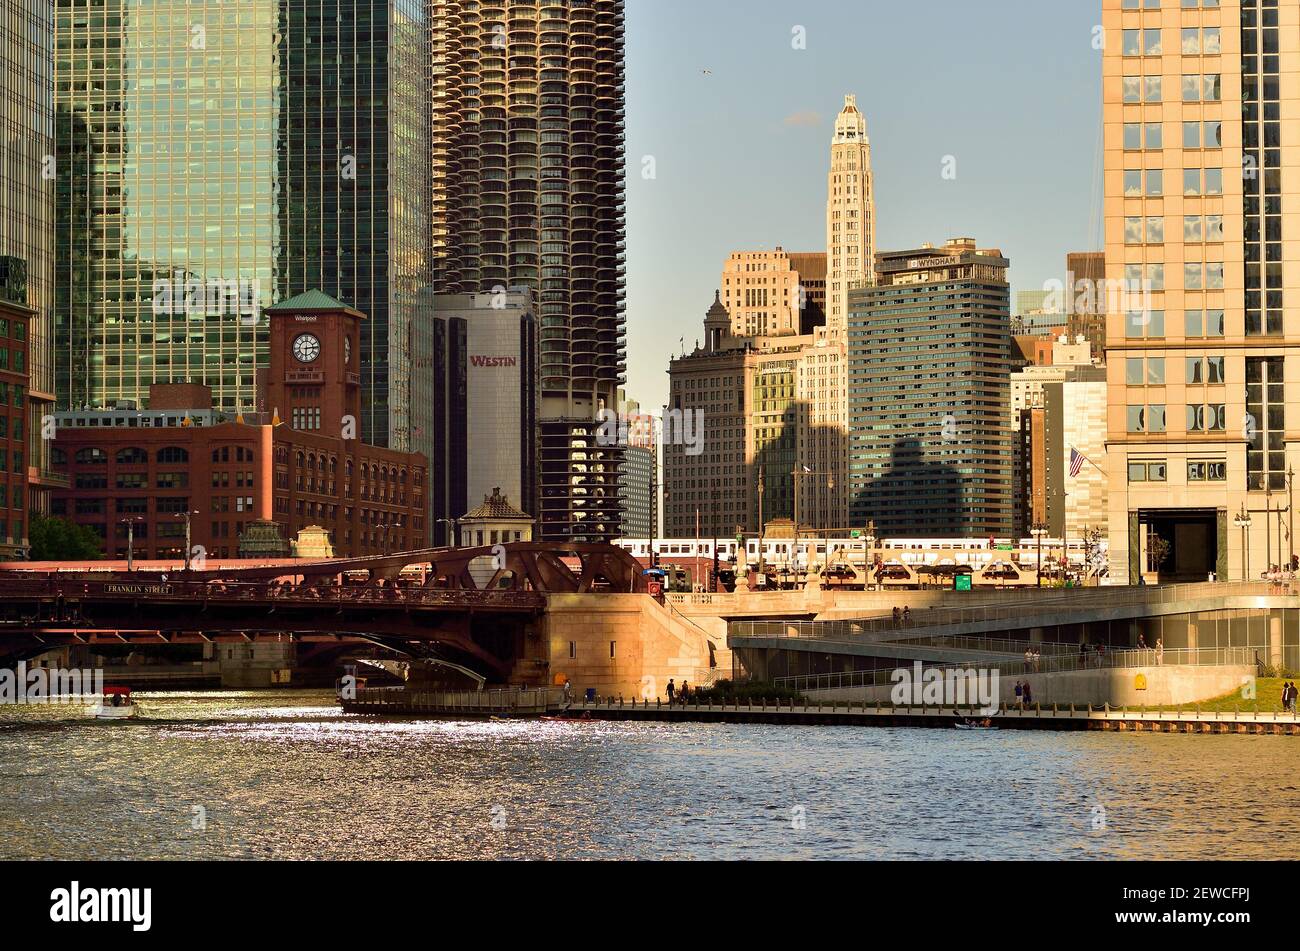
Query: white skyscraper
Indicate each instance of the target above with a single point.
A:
(850, 215)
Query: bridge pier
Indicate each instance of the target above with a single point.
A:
(256, 666)
(1275, 641)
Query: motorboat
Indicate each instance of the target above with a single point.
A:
(115, 704)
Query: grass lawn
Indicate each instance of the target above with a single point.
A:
(1268, 699)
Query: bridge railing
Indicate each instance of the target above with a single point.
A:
(202, 591)
(1059, 600)
(852, 632)
(1134, 659)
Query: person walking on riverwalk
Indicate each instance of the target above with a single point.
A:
(897, 615)
(672, 689)
(685, 692)
(1083, 654)
(568, 693)
(1160, 651)
(1029, 694)
(1020, 695)
(1029, 658)
(907, 615)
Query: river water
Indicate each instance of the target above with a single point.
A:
(287, 775)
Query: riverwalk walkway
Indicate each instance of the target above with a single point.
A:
(535, 703)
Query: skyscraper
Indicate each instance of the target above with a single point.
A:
(929, 395)
(214, 158)
(27, 164)
(1204, 344)
(850, 214)
(528, 166)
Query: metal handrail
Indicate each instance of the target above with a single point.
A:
(1079, 598)
(1179, 657)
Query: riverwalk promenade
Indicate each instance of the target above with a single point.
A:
(549, 702)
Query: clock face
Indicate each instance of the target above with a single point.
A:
(306, 348)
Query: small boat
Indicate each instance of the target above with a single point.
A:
(116, 704)
(585, 718)
(975, 725)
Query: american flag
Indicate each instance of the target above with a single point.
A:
(1077, 459)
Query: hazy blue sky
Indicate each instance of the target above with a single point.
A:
(1010, 88)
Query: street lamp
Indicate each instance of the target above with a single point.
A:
(187, 516)
(130, 541)
(1038, 531)
(454, 524)
(1242, 521)
(1290, 511)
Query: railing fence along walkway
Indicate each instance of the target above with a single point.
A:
(1206, 657)
(1077, 599)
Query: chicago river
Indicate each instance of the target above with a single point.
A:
(287, 775)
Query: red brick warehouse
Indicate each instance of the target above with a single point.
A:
(298, 463)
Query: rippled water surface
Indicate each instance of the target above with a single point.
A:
(287, 775)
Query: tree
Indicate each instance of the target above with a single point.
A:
(1157, 551)
(57, 539)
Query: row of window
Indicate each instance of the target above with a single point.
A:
(1150, 371)
(1150, 324)
(1196, 41)
(1155, 4)
(131, 456)
(1150, 182)
(1200, 470)
(1197, 229)
(1153, 418)
(1195, 88)
(1151, 135)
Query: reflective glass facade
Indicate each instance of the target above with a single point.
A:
(27, 169)
(216, 158)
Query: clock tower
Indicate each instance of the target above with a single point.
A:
(314, 384)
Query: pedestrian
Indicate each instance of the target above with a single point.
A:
(685, 692)
(1142, 643)
(1286, 695)
(1029, 694)
(672, 689)
(1029, 659)
(1020, 694)
(1038, 659)
(907, 614)
(897, 615)
(1160, 651)
(1083, 654)
(568, 693)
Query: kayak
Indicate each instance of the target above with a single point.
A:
(972, 726)
(570, 719)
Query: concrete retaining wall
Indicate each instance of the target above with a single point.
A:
(1165, 686)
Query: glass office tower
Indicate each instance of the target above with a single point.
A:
(27, 168)
(216, 158)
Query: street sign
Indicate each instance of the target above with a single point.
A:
(961, 582)
(855, 534)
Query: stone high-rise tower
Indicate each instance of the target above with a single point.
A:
(850, 215)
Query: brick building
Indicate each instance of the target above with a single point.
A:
(297, 461)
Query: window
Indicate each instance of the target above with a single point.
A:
(133, 456)
(173, 454)
(91, 456)
(1141, 371)
(1207, 471)
(1144, 323)
(1148, 472)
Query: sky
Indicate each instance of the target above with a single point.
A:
(1011, 89)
